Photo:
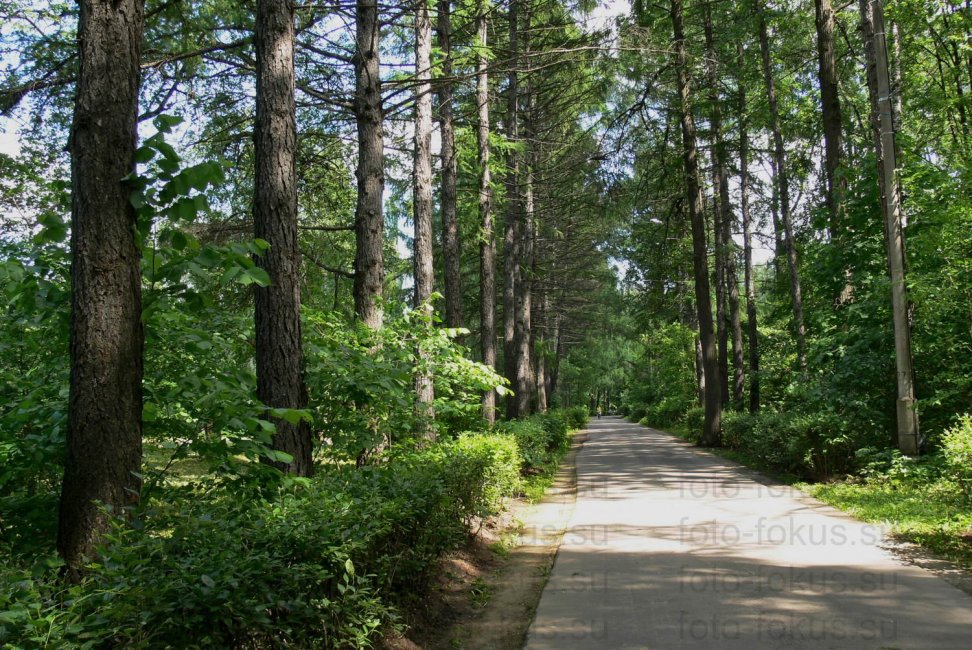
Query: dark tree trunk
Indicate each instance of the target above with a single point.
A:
(450, 226)
(422, 199)
(279, 351)
(712, 428)
(719, 279)
(729, 319)
(830, 112)
(511, 239)
(751, 325)
(783, 183)
(369, 225)
(539, 352)
(523, 336)
(487, 246)
(559, 351)
(104, 439)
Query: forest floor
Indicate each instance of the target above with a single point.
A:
(670, 546)
(485, 594)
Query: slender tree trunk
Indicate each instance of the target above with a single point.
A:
(511, 239)
(751, 324)
(450, 226)
(422, 200)
(872, 14)
(779, 250)
(712, 428)
(831, 117)
(730, 287)
(786, 217)
(104, 439)
(369, 225)
(559, 351)
(539, 352)
(722, 333)
(279, 350)
(525, 384)
(487, 246)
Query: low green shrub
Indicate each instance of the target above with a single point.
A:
(693, 420)
(576, 417)
(737, 427)
(535, 442)
(668, 412)
(637, 413)
(314, 563)
(554, 423)
(957, 450)
(812, 444)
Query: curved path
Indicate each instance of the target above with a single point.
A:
(672, 547)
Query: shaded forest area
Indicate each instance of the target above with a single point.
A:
(294, 295)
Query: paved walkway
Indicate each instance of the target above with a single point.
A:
(671, 547)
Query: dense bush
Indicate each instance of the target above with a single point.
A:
(693, 420)
(576, 417)
(316, 563)
(816, 445)
(957, 450)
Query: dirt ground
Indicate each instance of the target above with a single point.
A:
(487, 592)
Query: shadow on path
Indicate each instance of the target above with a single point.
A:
(672, 547)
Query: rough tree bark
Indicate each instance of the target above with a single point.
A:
(487, 246)
(879, 85)
(750, 282)
(526, 230)
(369, 225)
(422, 197)
(724, 223)
(830, 113)
(712, 428)
(511, 239)
(539, 354)
(783, 183)
(450, 226)
(279, 351)
(104, 439)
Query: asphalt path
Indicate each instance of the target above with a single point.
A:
(672, 547)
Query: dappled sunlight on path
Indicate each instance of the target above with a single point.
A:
(672, 547)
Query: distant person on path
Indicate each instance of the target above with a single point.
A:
(598, 412)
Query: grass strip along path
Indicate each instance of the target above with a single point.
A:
(673, 547)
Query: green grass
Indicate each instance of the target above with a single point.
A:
(541, 479)
(932, 515)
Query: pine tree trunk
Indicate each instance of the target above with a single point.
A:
(104, 439)
(487, 246)
(450, 226)
(525, 384)
(879, 83)
(279, 351)
(422, 199)
(719, 279)
(369, 225)
(751, 324)
(511, 238)
(830, 112)
(539, 352)
(725, 249)
(712, 429)
(783, 183)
